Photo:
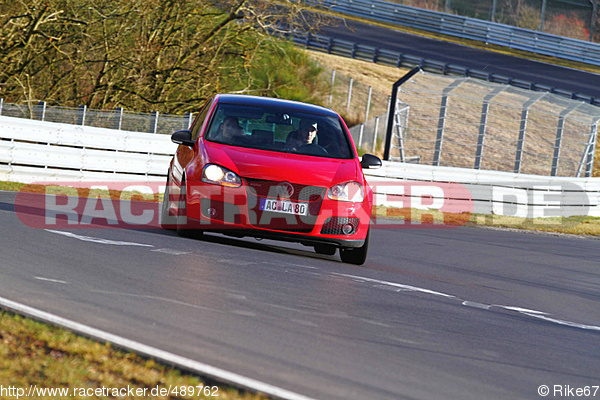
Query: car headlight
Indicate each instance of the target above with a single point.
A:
(218, 175)
(347, 191)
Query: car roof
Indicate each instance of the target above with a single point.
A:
(275, 103)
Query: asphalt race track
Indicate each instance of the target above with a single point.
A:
(568, 79)
(464, 313)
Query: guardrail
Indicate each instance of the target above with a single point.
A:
(348, 49)
(470, 28)
(492, 192)
(36, 151)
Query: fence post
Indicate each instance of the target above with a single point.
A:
(374, 149)
(368, 104)
(153, 121)
(42, 112)
(521, 140)
(542, 16)
(332, 83)
(587, 158)
(559, 135)
(1, 105)
(349, 95)
(81, 115)
(483, 124)
(442, 120)
(118, 117)
(189, 118)
(401, 144)
(523, 130)
(360, 136)
(392, 110)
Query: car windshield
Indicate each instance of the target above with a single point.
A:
(276, 129)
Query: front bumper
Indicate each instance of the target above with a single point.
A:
(236, 212)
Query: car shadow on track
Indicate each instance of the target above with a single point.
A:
(251, 243)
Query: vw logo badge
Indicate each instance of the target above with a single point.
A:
(285, 189)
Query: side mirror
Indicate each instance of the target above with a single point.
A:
(370, 161)
(183, 137)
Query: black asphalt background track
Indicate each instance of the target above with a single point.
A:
(568, 79)
(421, 320)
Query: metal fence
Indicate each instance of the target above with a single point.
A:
(470, 123)
(356, 101)
(112, 119)
(470, 28)
(387, 57)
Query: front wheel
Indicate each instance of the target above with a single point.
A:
(356, 256)
(182, 218)
(167, 221)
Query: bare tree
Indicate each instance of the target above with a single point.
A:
(165, 55)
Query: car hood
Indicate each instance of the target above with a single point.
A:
(276, 166)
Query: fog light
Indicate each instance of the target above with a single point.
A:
(347, 229)
(212, 211)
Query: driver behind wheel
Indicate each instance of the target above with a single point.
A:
(302, 136)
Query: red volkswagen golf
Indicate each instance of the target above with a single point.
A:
(271, 168)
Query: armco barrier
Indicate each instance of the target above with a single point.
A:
(33, 151)
(469, 28)
(492, 192)
(36, 151)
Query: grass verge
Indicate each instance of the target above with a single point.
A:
(33, 354)
(576, 225)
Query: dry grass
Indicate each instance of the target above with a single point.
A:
(35, 354)
(380, 77)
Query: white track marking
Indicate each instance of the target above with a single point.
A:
(487, 307)
(39, 278)
(163, 356)
(397, 285)
(97, 240)
(523, 310)
(544, 316)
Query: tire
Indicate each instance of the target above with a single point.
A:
(167, 221)
(182, 229)
(325, 249)
(356, 256)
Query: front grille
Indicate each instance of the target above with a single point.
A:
(334, 225)
(262, 189)
(272, 189)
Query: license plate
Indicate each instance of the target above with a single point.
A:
(283, 206)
